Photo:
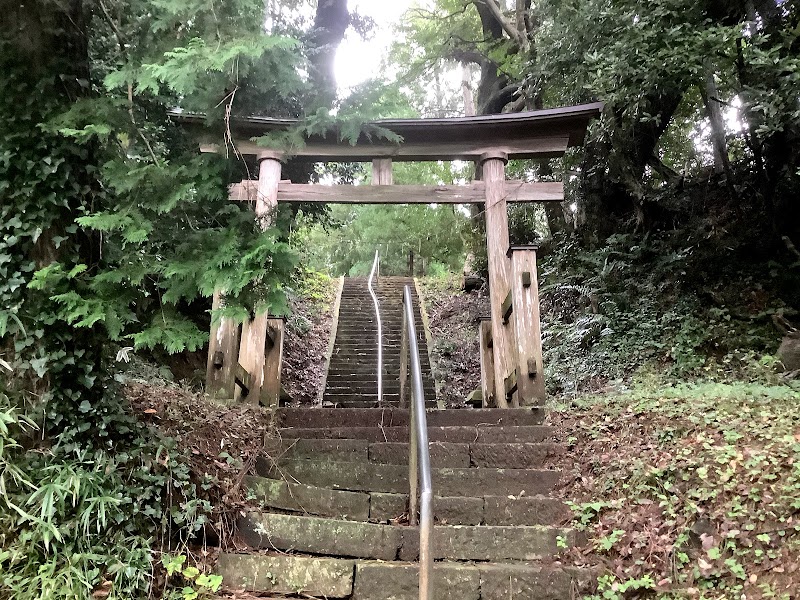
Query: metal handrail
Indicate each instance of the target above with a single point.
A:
(375, 268)
(419, 463)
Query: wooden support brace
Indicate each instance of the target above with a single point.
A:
(527, 325)
(222, 359)
(242, 379)
(273, 360)
(508, 307)
(487, 363)
(511, 384)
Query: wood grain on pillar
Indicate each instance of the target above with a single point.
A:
(488, 391)
(252, 350)
(221, 363)
(382, 171)
(496, 245)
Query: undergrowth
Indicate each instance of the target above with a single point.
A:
(688, 491)
(683, 306)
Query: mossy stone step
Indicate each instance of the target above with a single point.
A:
(336, 537)
(373, 580)
(381, 507)
(484, 417)
(328, 577)
(307, 499)
(369, 477)
(443, 454)
(476, 434)
(455, 581)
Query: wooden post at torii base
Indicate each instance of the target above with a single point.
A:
(257, 366)
(524, 293)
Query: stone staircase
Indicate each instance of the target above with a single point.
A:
(352, 379)
(333, 495)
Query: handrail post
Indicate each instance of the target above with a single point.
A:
(380, 327)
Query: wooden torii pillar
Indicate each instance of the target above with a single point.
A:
(251, 371)
(510, 341)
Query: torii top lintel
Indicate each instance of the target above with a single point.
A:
(535, 134)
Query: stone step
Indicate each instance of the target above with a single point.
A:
(443, 454)
(371, 477)
(274, 494)
(326, 577)
(374, 580)
(488, 434)
(352, 539)
(354, 363)
(321, 417)
(372, 403)
(332, 399)
(483, 581)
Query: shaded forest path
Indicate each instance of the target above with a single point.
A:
(352, 378)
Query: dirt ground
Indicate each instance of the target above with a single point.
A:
(455, 354)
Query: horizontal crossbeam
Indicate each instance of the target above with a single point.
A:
(535, 147)
(472, 193)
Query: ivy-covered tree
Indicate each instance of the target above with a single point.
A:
(113, 230)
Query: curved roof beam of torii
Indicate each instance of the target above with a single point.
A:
(534, 134)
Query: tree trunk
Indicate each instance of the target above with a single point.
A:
(711, 100)
(613, 166)
(494, 90)
(330, 23)
(45, 56)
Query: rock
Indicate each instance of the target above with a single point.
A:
(789, 351)
(471, 283)
(475, 398)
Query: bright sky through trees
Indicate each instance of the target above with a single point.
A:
(358, 60)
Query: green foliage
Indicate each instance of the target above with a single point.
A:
(643, 302)
(346, 243)
(200, 585)
(432, 234)
(112, 228)
(76, 518)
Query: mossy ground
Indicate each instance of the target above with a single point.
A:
(687, 491)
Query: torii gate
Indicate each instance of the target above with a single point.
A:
(510, 340)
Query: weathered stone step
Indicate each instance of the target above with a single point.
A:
(371, 477)
(372, 403)
(335, 417)
(361, 387)
(381, 507)
(477, 434)
(389, 399)
(335, 537)
(373, 580)
(443, 454)
(327, 577)
(483, 581)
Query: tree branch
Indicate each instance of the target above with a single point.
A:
(124, 53)
(507, 26)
